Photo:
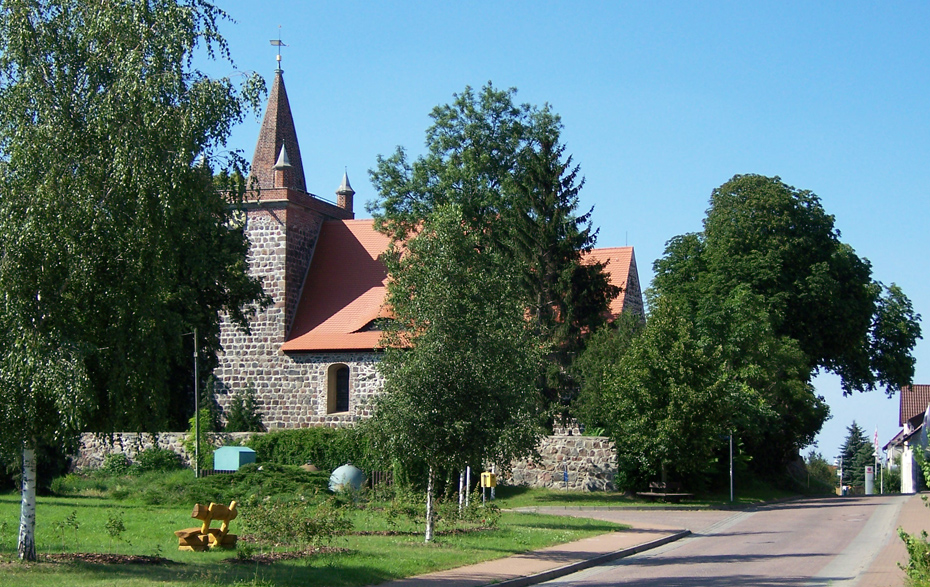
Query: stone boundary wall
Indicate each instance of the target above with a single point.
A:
(94, 448)
(591, 462)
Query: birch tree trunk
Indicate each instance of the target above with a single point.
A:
(430, 486)
(27, 517)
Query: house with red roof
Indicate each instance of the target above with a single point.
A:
(311, 357)
(912, 416)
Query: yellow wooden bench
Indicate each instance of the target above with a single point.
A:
(204, 537)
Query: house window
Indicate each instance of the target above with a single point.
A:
(337, 389)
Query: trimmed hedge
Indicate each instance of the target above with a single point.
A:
(327, 448)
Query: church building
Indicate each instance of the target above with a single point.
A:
(311, 357)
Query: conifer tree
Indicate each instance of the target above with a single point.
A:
(504, 166)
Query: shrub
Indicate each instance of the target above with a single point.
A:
(115, 464)
(243, 414)
(918, 565)
(157, 459)
(327, 448)
(206, 446)
(293, 521)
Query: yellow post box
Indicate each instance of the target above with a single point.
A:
(488, 479)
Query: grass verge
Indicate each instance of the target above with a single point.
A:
(79, 524)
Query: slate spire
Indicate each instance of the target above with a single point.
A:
(277, 131)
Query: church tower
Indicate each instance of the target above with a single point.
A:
(283, 222)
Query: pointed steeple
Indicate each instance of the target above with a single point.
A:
(277, 138)
(345, 193)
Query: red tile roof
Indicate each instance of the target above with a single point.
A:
(914, 401)
(344, 289)
(619, 262)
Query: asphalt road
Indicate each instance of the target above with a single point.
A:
(820, 542)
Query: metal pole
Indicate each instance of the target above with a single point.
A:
(731, 465)
(196, 411)
(467, 484)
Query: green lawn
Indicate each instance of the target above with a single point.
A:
(149, 530)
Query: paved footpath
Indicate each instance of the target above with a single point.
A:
(884, 570)
(651, 528)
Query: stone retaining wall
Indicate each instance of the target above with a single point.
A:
(591, 463)
(94, 448)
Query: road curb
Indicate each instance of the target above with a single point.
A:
(592, 562)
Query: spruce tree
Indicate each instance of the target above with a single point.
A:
(857, 452)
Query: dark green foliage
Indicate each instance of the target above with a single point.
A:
(181, 488)
(327, 448)
(671, 395)
(243, 414)
(821, 474)
(116, 245)
(293, 522)
(857, 452)
(153, 459)
(115, 463)
(918, 564)
(742, 315)
(460, 362)
(892, 478)
(780, 242)
(157, 459)
(603, 351)
(202, 429)
(502, 165)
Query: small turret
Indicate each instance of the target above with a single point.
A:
(283, 169)
(345, 193)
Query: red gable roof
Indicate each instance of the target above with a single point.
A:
(344, 289)
(914, 401)
(619, 263)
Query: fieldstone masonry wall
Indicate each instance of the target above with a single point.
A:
(93, 448)
(591, 463)
(292, 390)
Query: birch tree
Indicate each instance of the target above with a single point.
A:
(461, 359)
(113, 242)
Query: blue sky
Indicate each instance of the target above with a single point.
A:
(661, 103)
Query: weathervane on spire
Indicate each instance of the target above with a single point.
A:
(278, 43)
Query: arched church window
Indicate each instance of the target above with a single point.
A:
(337, 392)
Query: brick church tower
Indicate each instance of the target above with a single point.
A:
(283, 224)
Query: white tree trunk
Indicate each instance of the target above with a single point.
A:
(429, 505)
(461, 492)
(27, 517)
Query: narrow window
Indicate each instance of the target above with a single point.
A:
(337, 389)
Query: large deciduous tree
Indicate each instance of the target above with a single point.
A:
(460, 358)
(747, 311)
(113, 242)
(504, 166)
(780, 242)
